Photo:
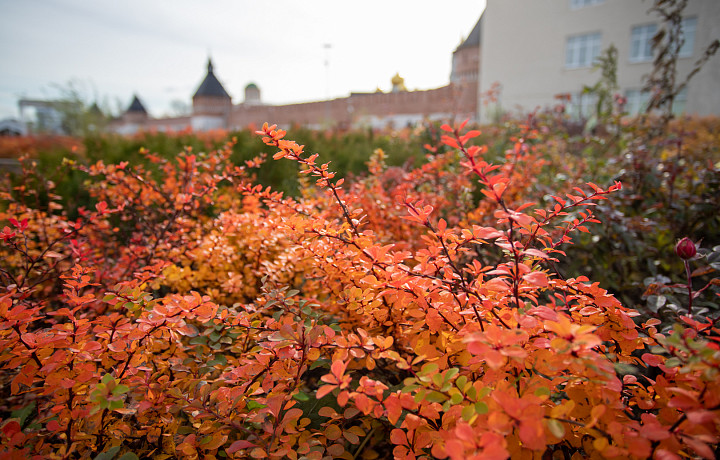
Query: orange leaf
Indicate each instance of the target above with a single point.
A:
(398, 437)
(324, 390)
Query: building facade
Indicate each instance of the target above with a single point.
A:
(537, 50)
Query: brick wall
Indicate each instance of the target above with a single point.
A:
(453, 101)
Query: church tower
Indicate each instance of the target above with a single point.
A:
(211, 103)
(466, 58)
(134, 117)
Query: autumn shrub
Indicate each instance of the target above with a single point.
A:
(415, 312)
(671, 190)
(55, 155)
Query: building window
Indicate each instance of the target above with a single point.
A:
(680, 102)
(575, 4)
(641, 43)
(582, 105)
(637, 101)
(688, 27)
(581, 50)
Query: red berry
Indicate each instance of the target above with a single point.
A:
(685, 249)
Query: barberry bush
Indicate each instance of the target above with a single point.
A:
(410, 313)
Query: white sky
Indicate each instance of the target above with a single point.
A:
(159, 49)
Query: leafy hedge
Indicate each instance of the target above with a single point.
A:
(429, 311)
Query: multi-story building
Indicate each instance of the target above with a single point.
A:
(539, 49)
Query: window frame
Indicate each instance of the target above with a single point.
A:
(645, 34)
(592, 46)
(579, 4)
(689, 46)
(637, 101)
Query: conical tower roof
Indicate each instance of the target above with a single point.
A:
(211, 86)
(474, 38)
(136, 106)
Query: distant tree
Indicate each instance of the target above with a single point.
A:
(79, 116)
(179, 108)
(662, 83)
(606, 86)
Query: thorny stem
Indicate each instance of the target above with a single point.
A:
(301, 365)
(689, 286)
(500, 201)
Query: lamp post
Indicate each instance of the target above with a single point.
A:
(327, 47)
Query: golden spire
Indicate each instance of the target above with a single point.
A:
(398, 83)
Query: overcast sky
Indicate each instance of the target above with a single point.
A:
(159, 49)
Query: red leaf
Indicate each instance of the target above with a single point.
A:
(652, 360)
(537, 279)
(238, 445)
(701, 448)
(701, 416)
(101, 207)
(10, 428)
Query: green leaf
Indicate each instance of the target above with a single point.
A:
(468, 412)
(429, 368)
(199, 340)
(322, 362)
(107, 378)
(115, 405)
(129, 456)
(542, 391)
(24, 413)
(556, 428)
(252, 404)
(481, 408)
(435, 396)
(452, 372)
(120, 389)
(472, 393)
(456, 397)
(410, 388)
(108, 454)
(301, 396)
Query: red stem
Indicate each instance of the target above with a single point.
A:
(689, 287)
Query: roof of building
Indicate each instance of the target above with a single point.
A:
(251, 86)
(474, 38)
(211, 86)
(136, 106)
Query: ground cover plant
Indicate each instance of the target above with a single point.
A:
(435, 311)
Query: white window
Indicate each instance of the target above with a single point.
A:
(637, 101)
(575, 4)
(641, 43)
(688, 27)
(680, 102)
(582, 105)
(581, 50)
